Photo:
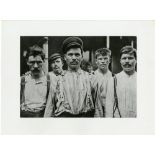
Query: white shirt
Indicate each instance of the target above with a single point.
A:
(101, 80)
(126, 93)
(35, 94)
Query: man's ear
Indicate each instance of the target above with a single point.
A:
(95, 60)
(120, 61)
(110, 59)
(136, 61)
(65, 57)
(82, 56)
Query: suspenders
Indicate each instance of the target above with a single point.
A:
(22, 96)
(48, 85)
(115, 106)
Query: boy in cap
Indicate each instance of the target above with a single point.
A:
(56, 63)
(101, 77)
(125, 87)
(35, 85)
(72, 95)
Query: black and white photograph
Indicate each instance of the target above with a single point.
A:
(78, 76)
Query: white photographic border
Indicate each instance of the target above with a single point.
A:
(11, 121)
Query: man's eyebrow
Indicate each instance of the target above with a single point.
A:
(35, 60)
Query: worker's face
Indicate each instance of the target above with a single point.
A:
(90, 69)
(35, 64)
(103, 62)
(73, 58)
(128, 62)
(57, 65)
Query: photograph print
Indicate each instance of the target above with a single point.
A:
(78, 76)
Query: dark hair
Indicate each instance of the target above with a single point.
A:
(103, 52)
(128, 50)
(85, 64)
(34, 51)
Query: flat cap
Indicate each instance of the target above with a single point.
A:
(72, 42)
(54, 56)
(127, 49)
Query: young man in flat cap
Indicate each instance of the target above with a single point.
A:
(56, 63)
(35, 85)
(72, 95)
(100, 78)
(123, 87)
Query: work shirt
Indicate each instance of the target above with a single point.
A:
(56, 74)
(52, 74)
(126, 93)
(34, 94)
(72, 94)
(100, 82)
(53, 78)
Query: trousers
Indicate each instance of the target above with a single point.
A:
(85, 114)
(31, 114)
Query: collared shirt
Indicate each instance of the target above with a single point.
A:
(100, 82)
(34, 94)
(54, 78)
(72, 94)
(126, 93)
(56, 74)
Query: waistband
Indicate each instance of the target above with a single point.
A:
(83, 114)
(24, 113)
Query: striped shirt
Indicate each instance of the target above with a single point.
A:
(72, 94)
(126, 93)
